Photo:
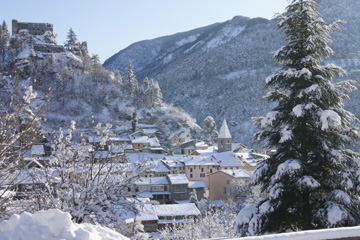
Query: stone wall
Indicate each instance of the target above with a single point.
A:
(33, 28)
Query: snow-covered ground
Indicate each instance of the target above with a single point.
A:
(51, 225)
(324, 234)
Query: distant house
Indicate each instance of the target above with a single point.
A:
(155, 217)
(176, 167)
(200, 189)
(156, 188)
(148, 218)
(221, 185)
(176, 214)
(179, 137)
(178, 187)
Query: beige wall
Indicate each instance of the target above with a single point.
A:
(220, 186)
(195, 173)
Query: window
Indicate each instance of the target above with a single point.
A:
(190, 169)
(202, 169)
(191, 175)
(202, 175)
(230, 191)
(210, 170)
(228, 181)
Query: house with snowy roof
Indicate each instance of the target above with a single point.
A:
(191, 147)
(178, 137)
(175, 166)
(178, 187)
(156, 217)
(155, 188)
(176, 214)
(221, 183)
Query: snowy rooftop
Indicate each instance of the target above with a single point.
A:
(37, 150)
(238, 173)
(152, 181)
(143, 139)
(161, 167)
(172, 210)
(197, 184)
(228, 159)
(200, 160)
(136, 157)
(146, 213)
(173, 163)
(176, 179)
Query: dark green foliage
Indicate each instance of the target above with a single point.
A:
(311, 180)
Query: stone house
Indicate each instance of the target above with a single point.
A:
(178, 187)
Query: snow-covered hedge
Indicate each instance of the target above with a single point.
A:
(51, 225)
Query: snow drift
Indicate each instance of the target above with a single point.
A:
(50, 225)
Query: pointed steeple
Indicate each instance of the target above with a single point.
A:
(224, 138)
(224, 131)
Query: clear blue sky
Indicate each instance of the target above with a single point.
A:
(111, 25)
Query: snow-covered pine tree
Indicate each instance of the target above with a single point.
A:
(71, 40)
(209, 126)
(310, 181)
(4, 40)
(131, 84)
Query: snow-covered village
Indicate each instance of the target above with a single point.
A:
(231, 129)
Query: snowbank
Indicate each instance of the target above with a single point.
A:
(51, 225)
(333, 233)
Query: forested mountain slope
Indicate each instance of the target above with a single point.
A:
(219, 70)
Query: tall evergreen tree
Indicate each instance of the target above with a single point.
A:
(311, 180)
(4, 39)
(131, 83)
(71, 40)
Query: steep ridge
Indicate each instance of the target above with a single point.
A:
(219, 70)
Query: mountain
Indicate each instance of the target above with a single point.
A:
(81, 89)
(219, 70)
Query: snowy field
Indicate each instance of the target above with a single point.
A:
(325, 234)
(52, 225)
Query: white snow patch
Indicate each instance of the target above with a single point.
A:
(51, 225)
(287, 168)
(275, 191)
(335, 214)
(224, 36)
(186, 40)
(308, 182)
(342, 197)
(168, 58)
(268, 119)
(298, 110)
(328, 119)
(286, 134)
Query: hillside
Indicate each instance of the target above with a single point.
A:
(219, 70)
(81, 89)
